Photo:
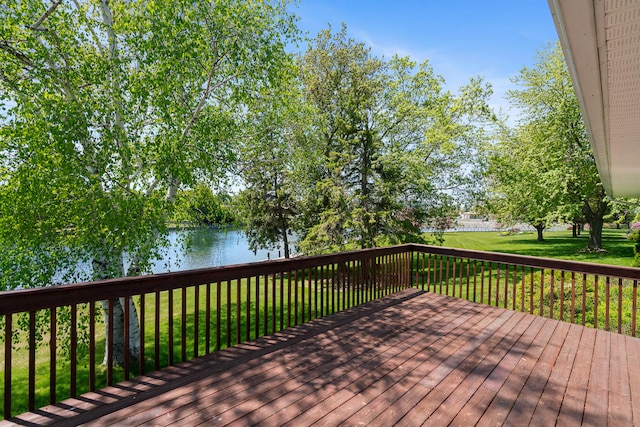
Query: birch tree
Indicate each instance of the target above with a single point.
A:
(110, 107)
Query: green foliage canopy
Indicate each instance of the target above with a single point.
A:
(390, 145)
(544, 170)
(110, 107)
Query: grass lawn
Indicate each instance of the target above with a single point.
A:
(557, 244)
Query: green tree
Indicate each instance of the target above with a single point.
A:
(550, 116)
(623, 212)
(269, 158)
(523, 179)
(112, 107)
(389, 145)
(200, 206)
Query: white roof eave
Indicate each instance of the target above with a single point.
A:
(577, 25)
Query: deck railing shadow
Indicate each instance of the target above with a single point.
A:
(60, 331)
(54, 336)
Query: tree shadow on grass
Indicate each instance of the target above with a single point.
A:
(618, 249)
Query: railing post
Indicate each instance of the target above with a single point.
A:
(8, 338)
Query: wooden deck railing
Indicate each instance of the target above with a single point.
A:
(594, 295)
(54, 337)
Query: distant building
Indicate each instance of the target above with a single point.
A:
(470, 215)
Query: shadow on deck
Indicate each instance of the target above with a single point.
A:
(411, 358)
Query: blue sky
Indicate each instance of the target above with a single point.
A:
(494, 39)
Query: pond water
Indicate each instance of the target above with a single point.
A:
(205, 247)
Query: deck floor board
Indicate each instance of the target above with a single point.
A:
(413, 358)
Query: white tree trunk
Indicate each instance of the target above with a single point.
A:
(117, 347)
(107, 267)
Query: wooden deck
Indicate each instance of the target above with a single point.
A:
(413, 358)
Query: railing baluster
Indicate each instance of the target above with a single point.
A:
(282, 300)
(619, 305)
(551, 293)
(384, 280)
(498, 274)
(109, 348)
(489, 284)
(350, 286)
(468, 278)
(422, 270)
(315, 295)
(355, 273)
(207, 319)
(303, 314)
(32, 361)
(156, 357)
(542, 292)
(238, 311)
(273, 302)
(8, 340)
(460, 277)
(584, 298)
(127, 351)
(248, 321)
(446, 283)
(393, 280)
(522, 276)
(142, 332)
(439, 280)
(400, 270)
(364, 290)
(228, 310)
(333, 288)
(562, 295)
(595, 302)
(53, 345)
(309, 296)
(295, 298)
(170, 324)
(506, 286)
(183, 325)
(607, 303)
(288, 322)
(475, 279)
(265, 326)
(482, 283)
(513, 292)
(369, 274)
(634, 308)
(196, 320)
(257, 314)
(429, 269)
(387, 274)
(92, 346)
(531, 274)
(498, 270)
(218, 315)
(248, 298)
(573, 296)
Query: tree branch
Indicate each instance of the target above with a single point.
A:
(49, 11)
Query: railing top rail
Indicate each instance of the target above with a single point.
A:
(76, 293)
(536, 262)
(54, 296)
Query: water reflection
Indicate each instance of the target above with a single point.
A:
(204, 247)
